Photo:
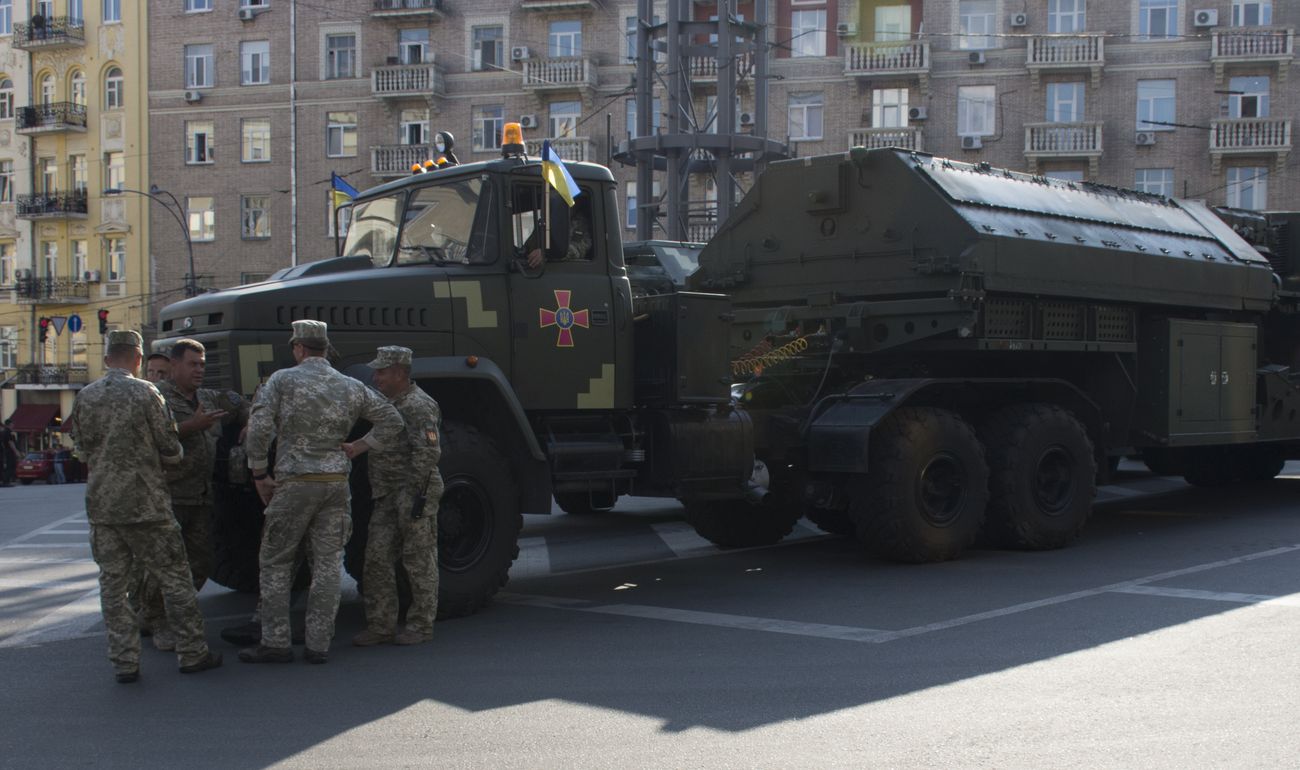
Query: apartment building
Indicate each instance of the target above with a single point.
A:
(253, 103)
(72, 123)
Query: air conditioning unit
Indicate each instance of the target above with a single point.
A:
(746, 118)
(247, 14)
(1146, 137)
(519, 53)
(23, 274)
(193, 96)
(1018, 19)
(1208, 17)
(90, 276)
(917, 113)
(971, 143)
(976, 57)
(846, 29)
(528, 121)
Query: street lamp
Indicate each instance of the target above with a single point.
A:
(191, 288)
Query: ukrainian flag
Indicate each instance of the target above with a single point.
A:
(343, 192)
(556, 175)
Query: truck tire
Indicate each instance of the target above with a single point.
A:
(236, 538)
(830, 520)
(743, 524)
(923, 498)
(1042, 476)
(1264, 464)
(1214, 466)
(1163, 462)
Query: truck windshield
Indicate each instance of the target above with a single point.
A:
(373, 232)
(452, 222)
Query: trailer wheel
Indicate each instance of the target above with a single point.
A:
(1042, 478)
(743, 524)
(923, 498)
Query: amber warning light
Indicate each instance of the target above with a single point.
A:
(512, 141)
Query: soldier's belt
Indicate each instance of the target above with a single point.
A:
(320, 478)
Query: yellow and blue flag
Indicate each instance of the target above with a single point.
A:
(556, 175)
(343, 192)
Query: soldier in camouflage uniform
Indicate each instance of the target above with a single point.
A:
(200, 414)
(310, 409)
(579, 224)
(399, 473)
(122, 430)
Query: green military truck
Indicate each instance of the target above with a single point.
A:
(904, 348)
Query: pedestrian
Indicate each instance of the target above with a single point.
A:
(200, 415)
(121, 428)
(60, 462)
(158, 368)
(8, 454)
(406, 486)
(309, 408)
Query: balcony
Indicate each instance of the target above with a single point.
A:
(572, 148)
(56, 32)
(53, 205)
(1066, 53)
(1249, 136)
(407, 10)
(51, 374)
(50, 291)
(704, 69)
(51, 118)
(888, 60)
(396, 159)
(561, 5)
(563, 73)
(1050, 141)
(402, 81)
(907, 137)
(1251, 46)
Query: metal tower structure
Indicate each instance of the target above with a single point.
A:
(681, 55)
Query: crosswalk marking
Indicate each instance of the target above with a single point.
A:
(70, 621)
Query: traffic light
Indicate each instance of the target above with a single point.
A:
(103, 321)
(45, 328)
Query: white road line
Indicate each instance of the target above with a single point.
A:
(534, 558)
(78, 516)
(86, 546)
(68, 532)
(681, 539)
(38, 560)
(72, 620)
(1292, 600)
(73, 583)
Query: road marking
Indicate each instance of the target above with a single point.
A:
(45, 545)
(80, 515)
(534, 558)
(38, 560)
(22, 583)
(68, 532)
(72, 620)
(1292, 600)
(682, 540)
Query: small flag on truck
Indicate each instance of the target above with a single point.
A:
(556, 175)
(343, 192)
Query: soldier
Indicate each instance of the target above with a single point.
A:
(310, 409)
(199, 413)
(579, 225)
(158, 368)
(399, 474)
(122, 430)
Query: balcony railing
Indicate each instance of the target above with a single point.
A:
(48, 118)
(48, 33)
(1252, 45)
(407, 9)
(575, 148)
(907, 137)
(50, 290)
(54, 205)
(51, 374)
(397, 159)
(701, 232)
(1066, 53)
(705, 68)
(1250, 136)
(558, 73)
(1063, 140)
(405, 80)
(910, 57)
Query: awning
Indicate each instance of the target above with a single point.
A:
(33, 418)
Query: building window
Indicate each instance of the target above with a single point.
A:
(805, 116)
(413, 45)
(6, 99)
(112, 11)
(260, 4)
(631, 38)
(893, 23)
(344, 215)
(979, 22)
(656, 109)
(255, 140)
(1066, 16)
(340, 56)
(564, 38)
(115, 259)
(1155, 105)
(255, 216)
(80, 264)
(1157, 19)
(1248, 97)
(487, 125)
(76, 13)
(1252, 13)
(6, 17)
(808, 33)
(633, 205)
(8, 273)
(413, 127)
(1064, 102)
(8, 334)
(1158, 181)
(564, 119)
(47, 90)
(6, 181)
(114, 95)
(199, 66)
(711, 120)
(48, 175)
(78, 346)
(255, 63)
(1247, 187)
(198, 142)
(197, 5)
(889, 108)
(114, 170)
(77, 172)
(975, 110)
(50, 258)
(77, 88)
(341, 134)
(202, 215)
(488, 51)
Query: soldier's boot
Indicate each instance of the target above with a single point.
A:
(250, 633)
(370, 638)
(263, 654)
(127, 675)
(315, 656)
(210, 661)
(413, 637)
(164, 640)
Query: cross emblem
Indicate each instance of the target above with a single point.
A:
(563, 318)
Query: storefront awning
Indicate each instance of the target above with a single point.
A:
(33, 418)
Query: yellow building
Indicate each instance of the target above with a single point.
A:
(78, 125)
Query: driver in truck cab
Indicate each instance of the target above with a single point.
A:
(578, 222)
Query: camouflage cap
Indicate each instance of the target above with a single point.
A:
(391, 355)
(125, 337)
(310, 333)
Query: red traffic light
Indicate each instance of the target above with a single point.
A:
(103, 314)
(45, 322)
(103, 320)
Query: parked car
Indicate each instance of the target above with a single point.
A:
(37, 466)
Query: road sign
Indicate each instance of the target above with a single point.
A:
(74, 323)
(59, 321)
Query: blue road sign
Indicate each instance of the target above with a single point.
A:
(74, 323)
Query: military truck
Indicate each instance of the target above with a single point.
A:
(908, 349)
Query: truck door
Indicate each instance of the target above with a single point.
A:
(562, 313)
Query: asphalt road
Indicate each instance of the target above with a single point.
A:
(1167, 637)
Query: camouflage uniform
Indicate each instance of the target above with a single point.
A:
(398, 473)
(190, 483)
(122, 430)
(310, 409)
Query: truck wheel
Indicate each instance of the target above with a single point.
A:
(830, 520)
(1042, 476)
(743, 524)
(236, 537)
(1163, 462)
(923, 498)
(1263, 464)
(1213, 467)
(582, 503)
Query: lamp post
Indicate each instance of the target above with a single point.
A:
(191, 286)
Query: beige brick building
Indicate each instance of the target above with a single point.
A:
(253, 103)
